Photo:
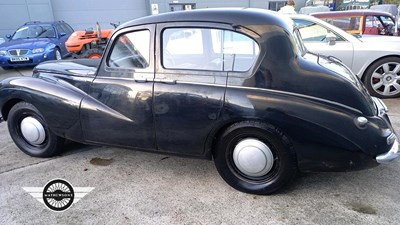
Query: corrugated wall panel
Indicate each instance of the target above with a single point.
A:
(84, 14)
(14, 13)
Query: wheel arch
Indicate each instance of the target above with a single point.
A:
(8, 105)
(212, 139)
(364, 71)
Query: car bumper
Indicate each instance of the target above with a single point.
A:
(34, 59)
(392, 154)
(394, 151)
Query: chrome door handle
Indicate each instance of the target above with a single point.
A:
(143, 80)
(165, 81)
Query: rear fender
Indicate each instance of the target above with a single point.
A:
(317, 128)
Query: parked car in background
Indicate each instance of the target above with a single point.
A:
(307, 10)
(232, 85)
(35, 42)
(361, 22)
(375, 60)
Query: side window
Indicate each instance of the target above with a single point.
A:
(131, 50)
(345, 23)
(372, 25)
(60, 29)
(67, 28)
(312, 32)
(210, 49)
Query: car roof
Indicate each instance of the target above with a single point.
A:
(43, 23)
(334, 14)
(233, 16)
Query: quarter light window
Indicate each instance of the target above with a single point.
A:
(131, 50)
(208, 49)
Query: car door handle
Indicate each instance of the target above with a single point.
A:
(165, 81)
(142, 80)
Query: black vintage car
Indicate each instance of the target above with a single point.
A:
(233, 85)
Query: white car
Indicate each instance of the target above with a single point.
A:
(375, 59)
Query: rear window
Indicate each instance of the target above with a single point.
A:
(208, 49)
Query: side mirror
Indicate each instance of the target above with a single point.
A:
(62, 34)
(330, 39)
(8, 36)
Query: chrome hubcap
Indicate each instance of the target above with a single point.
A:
(33, 131)
(253, 158)
(385, 79)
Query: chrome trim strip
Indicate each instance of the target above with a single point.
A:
(381, 108)
(392, 154)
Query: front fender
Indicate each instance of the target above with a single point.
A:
(58, 103)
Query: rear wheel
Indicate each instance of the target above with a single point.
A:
(382, 78)
(30, 132)
(255, 158)
(94, 53)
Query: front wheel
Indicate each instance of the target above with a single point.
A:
(30, 132)
(255, 158)
(58, 55)
(382, 78)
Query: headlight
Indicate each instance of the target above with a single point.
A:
(38, 50)
(3, 52)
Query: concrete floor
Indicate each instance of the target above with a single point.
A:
(134, 187)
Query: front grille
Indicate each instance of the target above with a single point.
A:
(21, 62)
(18, 52)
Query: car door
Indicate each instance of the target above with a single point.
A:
(62, 39)
(118, 109)
(314, 37)
(189, 86)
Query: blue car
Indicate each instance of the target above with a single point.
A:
(35, 42)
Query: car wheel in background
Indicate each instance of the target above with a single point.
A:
(255, 157)
(382, 78)
(58, 54)
(94, 53)
(30, 132)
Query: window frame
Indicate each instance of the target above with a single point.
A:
(107, 53)
(208, 25)
(321, 25)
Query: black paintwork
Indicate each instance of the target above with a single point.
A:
(314, 107)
